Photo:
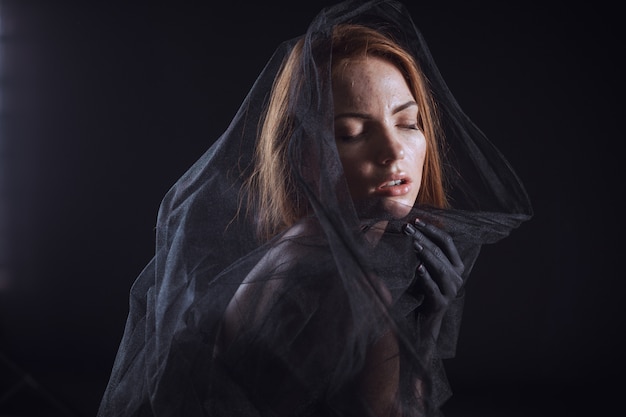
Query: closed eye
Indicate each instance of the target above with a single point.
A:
(347, 138)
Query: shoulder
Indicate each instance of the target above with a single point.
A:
(300, 251)
(293, 276)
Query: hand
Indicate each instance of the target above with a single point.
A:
(439, 274)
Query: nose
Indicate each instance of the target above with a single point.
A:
(390, 148)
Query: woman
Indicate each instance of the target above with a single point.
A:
(325, 279)
(381, 110)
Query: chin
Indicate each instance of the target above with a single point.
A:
(397, 209)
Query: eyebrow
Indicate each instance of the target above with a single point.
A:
(366, 116)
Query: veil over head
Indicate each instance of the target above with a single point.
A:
(316, 294)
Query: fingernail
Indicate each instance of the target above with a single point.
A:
(409, 229)
(421, 269)
(419, 223)
(418, 247)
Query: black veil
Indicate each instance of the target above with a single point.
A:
(315, 295)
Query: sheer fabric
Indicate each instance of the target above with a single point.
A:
(222, 324)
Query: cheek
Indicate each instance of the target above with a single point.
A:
(352, 167)
(417, 156)
(418, 153)
(355, 170)
(351, 159)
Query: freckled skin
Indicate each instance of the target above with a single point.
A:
(377, 133)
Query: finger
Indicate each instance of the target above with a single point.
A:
(426, 282)
(420, 242)
(445, 275)
(432, 297)
(440, 270)
(410, 230)
(442, 240)
(420, 237)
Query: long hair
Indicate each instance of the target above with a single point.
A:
(273, 193)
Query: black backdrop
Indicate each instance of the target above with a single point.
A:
(106, 104)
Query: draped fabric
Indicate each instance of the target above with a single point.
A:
(311, 303)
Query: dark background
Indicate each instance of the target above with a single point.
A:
(105, 104)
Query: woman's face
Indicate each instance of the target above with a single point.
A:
(380, 144)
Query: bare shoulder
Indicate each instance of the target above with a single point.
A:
(300, 249)
(297, 268)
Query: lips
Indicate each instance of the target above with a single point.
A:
(396, 185)
(393, 183)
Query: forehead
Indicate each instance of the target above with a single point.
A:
(368, 79)
(363, 66)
